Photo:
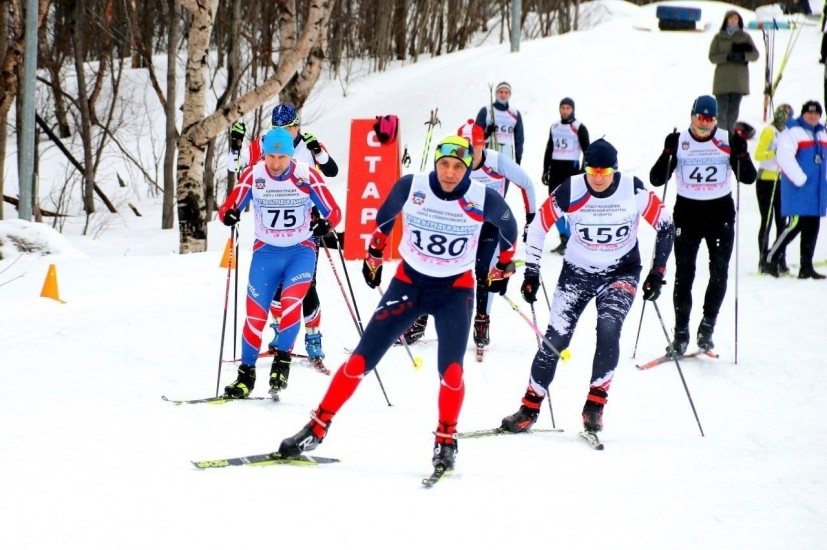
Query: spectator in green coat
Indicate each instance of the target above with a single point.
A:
(731, 51)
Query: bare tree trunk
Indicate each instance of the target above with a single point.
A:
(52, 56)
(77, 27)
(400, 14)
(168, 208)
(300, 86)
(142, 52)
(233, 69)
(103, 59)
(288, 29)
(197, 130)
(190, 171)
(4, 44)
(209, 179)
(11, 70)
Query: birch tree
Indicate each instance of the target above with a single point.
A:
(198, 128)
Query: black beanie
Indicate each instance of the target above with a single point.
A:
(567, 101)
(812, 106)
(601, 154)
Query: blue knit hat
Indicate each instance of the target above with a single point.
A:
(284, 115)
(601, 154)
(278, 141)
(705, 105)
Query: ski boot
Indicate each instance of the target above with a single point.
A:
(313, 345)
(481, 322)
(593, 410)
(416, 330)
(782, 264)
(445, 446)
(243, 385)
(680, 342)
(309, 437)
(809, 273)
(524, 419)
(705, 330)
(274, 344)
(280, 372)
(561, 248)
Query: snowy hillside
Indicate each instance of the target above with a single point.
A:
(93, 458)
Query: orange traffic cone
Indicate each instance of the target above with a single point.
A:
(50, 285)
(228, 257)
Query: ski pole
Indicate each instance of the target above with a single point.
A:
(226, 301)
(663, 200)
(565, 355)
(534, 318)
(548, 392)
(545, 293)
(342, 288)
(235, 297)
(347, 279)
(493, 143)
(677, 364)
(737, 244)
(415, 361)
(433, 120)
(352, 314)
(550, 410)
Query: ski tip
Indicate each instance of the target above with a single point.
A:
(164, 398)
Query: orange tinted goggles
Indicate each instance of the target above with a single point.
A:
(705, 118)
(595, 171)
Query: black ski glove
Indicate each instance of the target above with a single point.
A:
(531, 283)
(546, 178)
(529, 217)
(742, 47)
(651, 286)
(231, 217)
(497, 280)
(737, 57)
(670, 144)
(237, 136)
(320, 227)
(312, 143)
(372, 267)
(491, 129)
(737, 146)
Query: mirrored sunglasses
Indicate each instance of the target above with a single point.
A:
(453, 150)
(705, 118)
(595, 171)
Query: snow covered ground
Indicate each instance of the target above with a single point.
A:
(93, 458)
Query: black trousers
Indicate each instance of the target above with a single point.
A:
(808, 227)
(769, 196)
(613, 293)
(697, 221)
(729, 106)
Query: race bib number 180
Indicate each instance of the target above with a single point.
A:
(438, 245)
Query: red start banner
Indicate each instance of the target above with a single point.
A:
(373, 168)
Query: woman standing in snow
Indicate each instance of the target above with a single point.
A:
(731, 51)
